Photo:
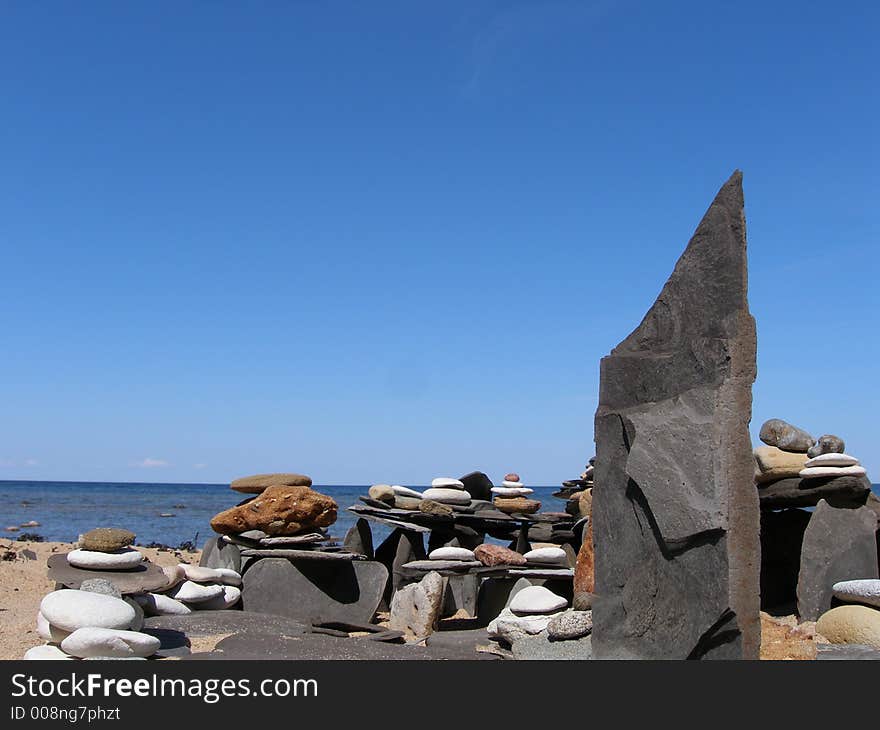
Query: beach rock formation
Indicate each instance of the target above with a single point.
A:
(258, 483)
(415, 609)
(279, 510)
(675, 513)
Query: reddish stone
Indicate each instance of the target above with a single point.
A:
(497, 555)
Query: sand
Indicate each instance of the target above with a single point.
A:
(23, 583)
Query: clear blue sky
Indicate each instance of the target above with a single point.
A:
(391, 241)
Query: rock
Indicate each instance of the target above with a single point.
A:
(106, 539)
(44, 653)
(797, 492)
(230, 596)
(218, 553)
(832, 459)
(124, 559)
(279, 510)
(451, 553)
(541, 648)
(774, 464)
(509, 627)
(585, 503)
(95, 642)
(820, 472)
(190, 592)
(400, 547)
(260, 482)
(827, 444)
(200, 624)
(584, 573)
(100, 585)
(174, 575)
(48, 632)
(493, 555)
(782, 534)
(447, 483)
(516, 505)
(158, 604)
(138, 623)
(547, 556)
(839, 544)
(851, 625)
(570, 625)
(675, 532)
(359, 539)
(458, 566)
(410, 503)
(537, 599)
(70, 610)
(777, 432)
(478, 485)
(847, 652)
(865, 590)
(405, 492)
(511, 477)
(382, 493)
(198, 574)
(430, 507)
(512, 491)
(315, 591)
(447, 496)
(416, 608)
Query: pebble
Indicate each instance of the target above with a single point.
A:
(100, 585)
(511, 505)
(158, 604)
(816, 472)
(381, 493)
(409, 503)
(48, 632)
(777, 432)
(94, 642)
(547, 556)
(190, 592)
(406, 492)
(512, 491)
(448, 496)
(570, 625)
(451, 553)
(866, 590)
(508, 626)
(124, 559)
(106, 539)
(227, 599)
(72, 609)
(44, 653)
(851, 625)
(511, 477)
(430, 507)
(827, 444)
(492, 555)
(447, 483)
(199, 574)
(832, 459)
(537, 599)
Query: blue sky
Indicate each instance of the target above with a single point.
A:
(390, 241)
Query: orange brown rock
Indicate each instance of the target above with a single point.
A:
(509, 505)
(279, 510)
(257, 483)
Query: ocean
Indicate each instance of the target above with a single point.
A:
(65, 510)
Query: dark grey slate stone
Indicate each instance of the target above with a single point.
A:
(478, 485)
(146, 577)
(676, 532)
(359, 539)
(399, 548)
(839, 544)
(797, 492)
(218, 553)
(460, 594)
(317, 555)
(211, 623)
(173, 643)
(827, 444)
(540, 648)
(847, 652)
(314, 591)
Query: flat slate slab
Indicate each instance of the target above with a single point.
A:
(300, 554)
(210, 623)
(146, 577)
(453, 566)
(797, 492)
(541, 648)
(173, 643)
(847, 652)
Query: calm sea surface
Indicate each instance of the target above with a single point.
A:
(67, 509)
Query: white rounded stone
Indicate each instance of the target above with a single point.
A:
(138, 623)
(446, 483)
(512, 485)
(447, 496)
(191, 592)
(547, 556)
(199, 574)
(125, 559)
(158, 604)
(46, 652)
(512, 491)
(71, 610)
(406, 492)
(537, 599)
(507, 625)
(451, 553)
(91, 642)
(48, 632)
(866, 590)
(174, 574)
(229, 577)
(227, 599)
(832, 460)
(815, 472)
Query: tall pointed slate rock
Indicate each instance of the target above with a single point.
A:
(676, 519)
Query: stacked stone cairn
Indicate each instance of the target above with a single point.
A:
(807, 554)
(511, 497)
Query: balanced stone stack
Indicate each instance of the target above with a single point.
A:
(106, 548)
(511, 497)
(193, 588)
(446, 490)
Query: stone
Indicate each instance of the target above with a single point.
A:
(146, 577)
(258, 483)
(512, 485)
(782, 534)
(783, 435)
(124, 559)
(382, 493)
(415, 608)
(570, 625)
(820, 472)
(797, 492)
(839, 544)
(317, 555)
(446, 483)
(447, 496)
(451, 553)
(478, 485)
(95, 642)
(774, 464)
(199, 574)
(541, 648)
(189, 592)
(827, 444)
(306, 538)
(106, 539)
(508, 626)
(493, 555)
(100, 585)
(230, 596)
(200, 624)
(847, 652)
(218, 553)
(174, 575)
(359, 539)
(547, 556)
(537, 599)
(405, 492)
(70, 610)
(585, 503)
(314, 591)
(865, 590)
(279, 510)
(430, 507)
(48, 632)
(851, 625)
(460, 566)
(158, 604)
(138, 623)
(45, 653)
(832, 459)
(511, 477)
(400, 547)
(516, 505)
(171, 643)
(584, 573)
(408, 503)
(674, 530)
(512, 491)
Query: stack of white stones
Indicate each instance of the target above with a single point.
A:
(530, 611)
(447, 491)
(193, 588)
(511, 486)
(106, 548)
(831, 465)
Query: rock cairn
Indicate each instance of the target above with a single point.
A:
(512, 497)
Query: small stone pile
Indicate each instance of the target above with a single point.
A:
(511, 497)
(193, 588)
(446, 490)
